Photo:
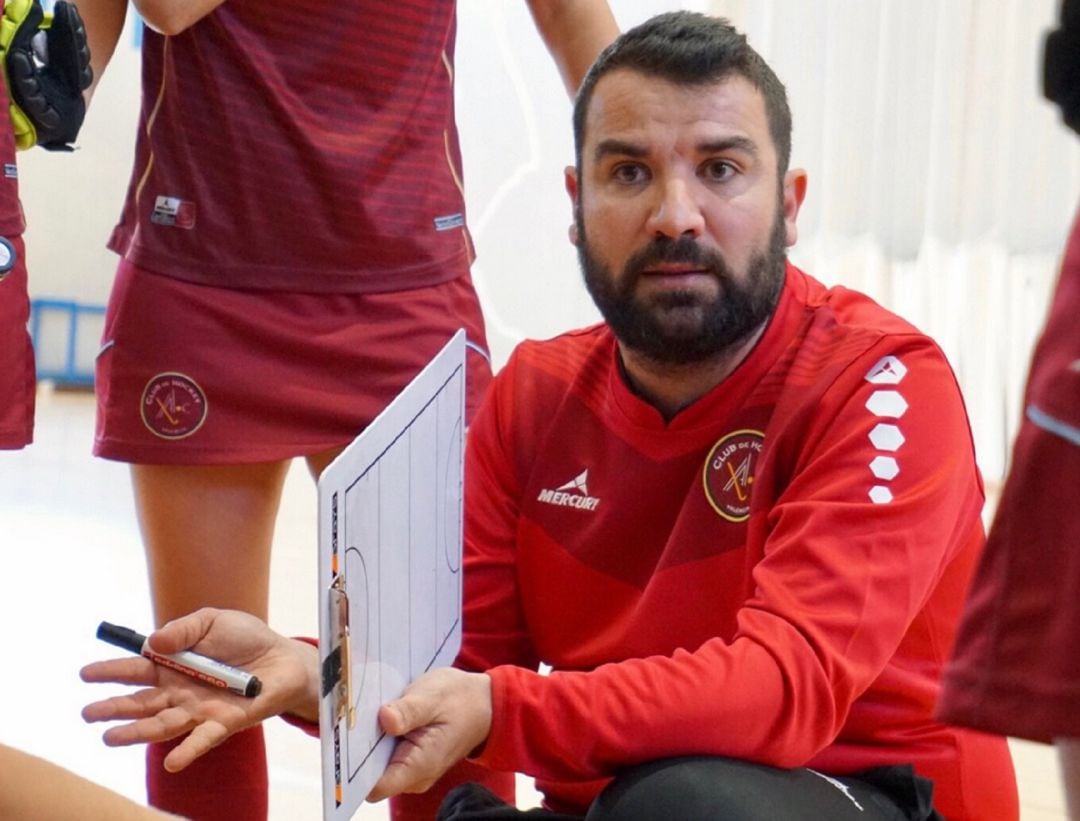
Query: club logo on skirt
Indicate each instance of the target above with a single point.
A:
(729, 473)
(173, 406)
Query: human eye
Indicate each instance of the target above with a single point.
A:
(717, 170)
(629, 173)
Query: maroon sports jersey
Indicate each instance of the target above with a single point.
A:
(1017, 664)
(304, 147)
(11, 213)
(16, 354)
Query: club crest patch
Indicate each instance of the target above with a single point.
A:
(729, 473)
(173, 406)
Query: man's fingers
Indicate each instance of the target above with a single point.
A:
(185, 632)
(166, 725)
(441, 717)
(399, 774)
(415, 709)
(137, 671)
(201, 740)
(418, 761)
(389, 784)
(142, 704)
(392, 721)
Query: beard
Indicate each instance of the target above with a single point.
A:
(682, 327)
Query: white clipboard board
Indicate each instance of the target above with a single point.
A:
(390, 538)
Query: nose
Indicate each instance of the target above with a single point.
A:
(676, 213)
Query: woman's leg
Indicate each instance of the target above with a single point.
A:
(207, 531)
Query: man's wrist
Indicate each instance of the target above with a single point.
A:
(482, 684)
(305, 705)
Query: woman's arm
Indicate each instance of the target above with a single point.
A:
(173, 16)
(575, 32)
(31, 787)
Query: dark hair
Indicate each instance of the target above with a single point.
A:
(691, 49)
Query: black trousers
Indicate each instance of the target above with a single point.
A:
(724, 789)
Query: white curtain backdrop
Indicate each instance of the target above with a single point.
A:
(941, 183)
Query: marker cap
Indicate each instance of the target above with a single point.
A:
(121, 637)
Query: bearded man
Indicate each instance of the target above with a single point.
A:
(736, 519)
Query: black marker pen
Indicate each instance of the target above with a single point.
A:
(192, 664)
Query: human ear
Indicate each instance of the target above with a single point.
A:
(793, 195)
(571, 182)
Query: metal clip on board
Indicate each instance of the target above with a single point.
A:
(337, 667)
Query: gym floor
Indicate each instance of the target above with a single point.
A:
(72, 558)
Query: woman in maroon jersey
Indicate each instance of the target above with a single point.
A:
(1016, 668)
(41, 103)
(293, 250)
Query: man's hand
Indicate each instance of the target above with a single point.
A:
(47, 66)
(174, 704)
(440, 718)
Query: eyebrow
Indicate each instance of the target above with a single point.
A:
(620, 147)
(628, 149)
(744, 144)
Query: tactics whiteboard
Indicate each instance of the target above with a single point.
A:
(390, 535)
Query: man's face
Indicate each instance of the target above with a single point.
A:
(681, 221)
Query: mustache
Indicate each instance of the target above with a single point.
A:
(684, 250)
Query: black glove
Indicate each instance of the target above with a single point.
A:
(1061, 64)
(47, 64)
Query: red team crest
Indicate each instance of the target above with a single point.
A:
(729, 473)
(173, 406)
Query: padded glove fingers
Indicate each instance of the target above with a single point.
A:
(47, 64)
